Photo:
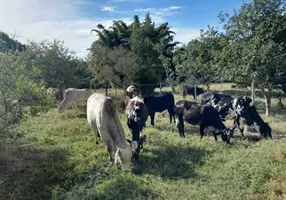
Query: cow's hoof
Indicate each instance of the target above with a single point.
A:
(96, 142)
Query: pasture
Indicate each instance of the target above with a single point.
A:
(55, 156)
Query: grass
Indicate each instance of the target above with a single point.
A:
(55, 156)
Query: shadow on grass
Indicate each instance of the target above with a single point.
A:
(81, 115)
(249, 137)
(123, 187)
(31, 173)
(171, 162)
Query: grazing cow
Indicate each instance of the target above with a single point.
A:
(103, 118)
(137, 115)
(159, 104)
(56, 93)
(130, 90)
(74, 96)
(191, 90)
(237, 108)
(202, 115)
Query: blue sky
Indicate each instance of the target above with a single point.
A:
(72, 20)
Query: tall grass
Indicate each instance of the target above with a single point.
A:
(55, 156)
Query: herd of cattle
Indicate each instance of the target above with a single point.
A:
(213, 110)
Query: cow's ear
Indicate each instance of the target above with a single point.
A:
(134, 145)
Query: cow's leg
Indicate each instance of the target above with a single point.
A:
(238, 124)
(152, 116)
(96, 138)
(171, 114)
(215, 135)
(109, 149)
(180, 125)
(202, 130)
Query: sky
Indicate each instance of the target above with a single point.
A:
(72, 20)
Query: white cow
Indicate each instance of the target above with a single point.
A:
(74, 96)
(103, 118)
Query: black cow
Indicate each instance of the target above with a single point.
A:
(137, 115)
(202, 115)
(160, 103)
(191, 90)
(238, 108)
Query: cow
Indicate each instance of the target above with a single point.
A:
(240, 109)
(191, 90)
(55, 93)
(103, 118)
(137, 114)
(74, 96)
(130, 90)
(202, 115)
(160, 103)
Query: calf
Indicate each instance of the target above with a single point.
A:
(240, 109)
(74, 96)
(137, 115)
(202, 115)
(191, 90)
(159, 104)
(103, 118)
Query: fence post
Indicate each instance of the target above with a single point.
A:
(160, 88)
(195, 92)
(106, 89)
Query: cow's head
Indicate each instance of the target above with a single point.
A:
(240, 104)
(125, 156)
(133, 111)
(227, 134)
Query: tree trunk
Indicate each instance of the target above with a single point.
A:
(170, 81)
(252, 91)
(268, 105)
(268, 97)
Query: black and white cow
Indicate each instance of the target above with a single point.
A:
(241, 109)
(191, 90)
(202, 115)
(159, 103)
(137, 114)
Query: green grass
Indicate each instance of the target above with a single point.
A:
(55, 156)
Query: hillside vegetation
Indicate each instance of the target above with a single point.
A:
(55, 156)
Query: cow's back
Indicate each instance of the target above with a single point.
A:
(77, 95)
(160, 103)
(102, 116)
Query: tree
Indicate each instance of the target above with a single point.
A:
(135, 45)
(19, 94)
(7, 43)
(57, 65)
(200, 58)
(256, 51)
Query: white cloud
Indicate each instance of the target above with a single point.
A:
(144, 10)
(108, 8)
(175, 7)
(160, 12)
(185, 35)
(57, 19)
(61, 19)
